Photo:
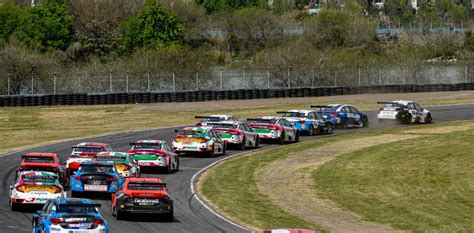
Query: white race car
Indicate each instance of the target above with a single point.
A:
(407, 112)
(214, 118)
(35, 187)
(198, 139)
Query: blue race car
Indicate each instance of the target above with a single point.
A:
(308, 122)
(95, 176)
(70, 215)
(343, 115)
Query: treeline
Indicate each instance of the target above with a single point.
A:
(67, 37)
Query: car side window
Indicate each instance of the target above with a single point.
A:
(167, 148)
(411, 106)
(345, 109)
(287, 123)
(354, 110)
(318, 116)
(418, 107)
(311, 116)
(46, 206)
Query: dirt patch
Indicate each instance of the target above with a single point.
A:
(289, 184)
(442, 130)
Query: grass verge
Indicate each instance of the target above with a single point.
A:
(422, 184)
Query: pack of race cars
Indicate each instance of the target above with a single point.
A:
(92, 168)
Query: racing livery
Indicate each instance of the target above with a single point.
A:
(95, 177)
(236, 133)
(308, 122)
(343, 115)
(214, 118)
(35, 187)
(48, 162)
(154, 154)
(84, 151)
(407, 112)
(198, 139)
(142, 195)
(124, 164)
(70, 215)
(274, 128)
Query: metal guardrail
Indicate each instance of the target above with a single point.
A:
(210, 95)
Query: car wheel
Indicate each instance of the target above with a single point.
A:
(297, 137)
(75, 194)
(406, 119)
(170, 216)
(281, 140)
(344, 124)
(428, 119)
(365, 122)
(330, 129)
(169, 168)
(119, 215)
(242, 145)
(14, 206)
(311, 130)
(224, 149)
(257, 142)
(212, 153)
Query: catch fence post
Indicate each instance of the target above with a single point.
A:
(174, 83)
(359, 76)
(243, 77)
(465, 73)
(148, 82)
(197, 81)
(380, 76)
(110, 82)
(54, 83)
(222, 80)
(268, 77)
(8, 84)
(32, 82)
(126, 82)
(289, 77)
(335, 77)
(312, 78)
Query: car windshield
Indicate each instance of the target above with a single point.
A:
(86, 149)
(394, 105)
(147, 146)
(146, 186)
(97, 168)
(294, 114)
(224, 126)
(38, 159)
(38, 179)
(71, 209)
(328, 109)
(263, 121)
(111, 158)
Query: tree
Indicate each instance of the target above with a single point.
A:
(215, 5)
(10, 17)
(152, 27)
(46, 27)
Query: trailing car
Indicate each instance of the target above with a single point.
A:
(34, 187)
(84, 151)
(154, 154)
(308, 122)
(123, 162)
(95, 177)
(142, 195)
(198, 140)
(343, 115)
(236, 133)
(404, 111)
(48, 162)
(70, 215)
(214, 118)
(274, 128)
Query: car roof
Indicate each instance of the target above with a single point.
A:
(37, 173)
(227, 122)
(221, 116)
(269, 117)
(97, 163)
(95, 144)
(72, 201)
(305, 111)
(36, 154)
(403, 102)
(149, 180)
(198, 128)
(150, 141)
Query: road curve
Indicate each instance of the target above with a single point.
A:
(190, 215)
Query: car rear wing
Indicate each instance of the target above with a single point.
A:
(384, 102)
(209, 118)
(321, 106)
(75, 147)
(145, 143)
(284, 112)
(110, 158)
(80, 205)
(259, 121)
(188, 132)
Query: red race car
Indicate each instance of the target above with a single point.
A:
(154, 153)
(47, 162)
(274, 128)
(142, 195)
(84, 151)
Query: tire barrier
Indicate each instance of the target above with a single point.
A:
(210, 95)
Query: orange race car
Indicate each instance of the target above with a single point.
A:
(142, 196)
(46, 162)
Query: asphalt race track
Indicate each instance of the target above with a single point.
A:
(190, 216)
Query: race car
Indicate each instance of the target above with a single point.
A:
(144, 196)
(101, 177)
(308, 122)
(84, 151)
(125, 165)
(404, 111)
(343, 115)
(274, 128)
(35, 187)
(214, 118)
(154, 154)
(48, 162)
(69, 215)
(198, 140)
(236, 133)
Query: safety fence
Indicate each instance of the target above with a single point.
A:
(210, 95)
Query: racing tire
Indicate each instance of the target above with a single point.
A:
(119, 215)
(169, 169)
(365, 122)
(297, 137)
(344, 124)
(330, 129)
(169, 217)
(406, 119)
(224, 150)
(75, 194)
(257, 142)
(281, 140)
(14, 207)
(177, 165)
(242, 145)
(310, 131)
(212, 153)
(429, 118)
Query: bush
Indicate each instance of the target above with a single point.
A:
(10, 17)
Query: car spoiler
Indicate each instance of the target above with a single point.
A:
(321, 106)
(33, 156)
(99, 147)
(80, 205)
(384, 102)
(135, 143)
(209, 118)
(113, 158)
(180, 131)
(283, 112)
(259, 120)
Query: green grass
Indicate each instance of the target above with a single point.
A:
(420, 185)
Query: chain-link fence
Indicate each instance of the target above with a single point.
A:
(233, 78)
